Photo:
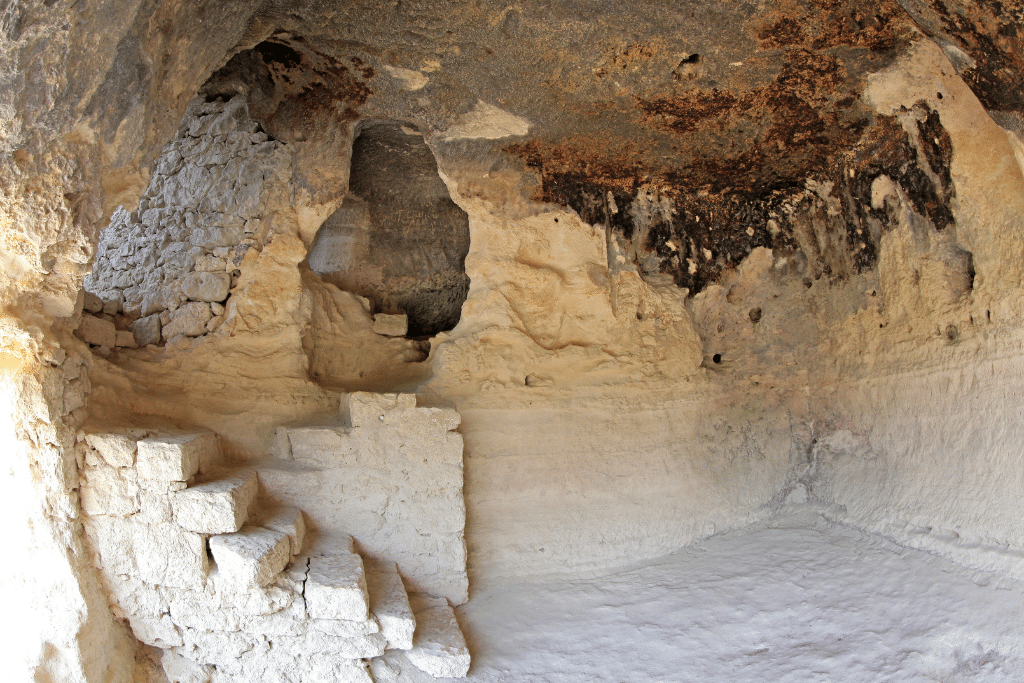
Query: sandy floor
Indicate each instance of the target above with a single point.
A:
(796, 599)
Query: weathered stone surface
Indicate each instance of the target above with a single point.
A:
(96, 331)
(189, 320)
(439, 648)
(162, 554)
(394, 452)
(215, 507)
(179, 669)
(125, 338)
(336, 588)
(117, 449)
(92, 303)
(287, 520)
(147, 330)
(109, 491)
(252, 556)
(389, 603)
(174, 457)
(391, 325)
(206, 286)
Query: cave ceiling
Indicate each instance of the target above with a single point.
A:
(695, 132)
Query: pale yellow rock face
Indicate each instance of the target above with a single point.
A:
(547, 307)
(585, 413)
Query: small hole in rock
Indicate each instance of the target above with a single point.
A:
(952, 332)
(556, 220)
(717, 358)
(755, 314)
(939, 95)
(807, 282)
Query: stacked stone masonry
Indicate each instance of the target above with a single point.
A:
(392, 479)
(232, 593)
(165, 271)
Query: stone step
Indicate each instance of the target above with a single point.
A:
(439, 648)
(253, 556)
(289, 521)
(177, 457)
(219, 506)
(336, 587)
(389, 603)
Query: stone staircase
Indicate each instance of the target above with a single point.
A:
(273, 604)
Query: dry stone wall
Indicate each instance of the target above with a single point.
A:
(392, 480)
(229, 587)
(165, 270)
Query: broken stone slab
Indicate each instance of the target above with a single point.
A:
(206, 286)
(438, 646)
(391, 325)
(288, 520)
(252, 556)
(175, 457)
(215, 507)
(389, 603)
(336, 588)
(117, 449)
(97, 331)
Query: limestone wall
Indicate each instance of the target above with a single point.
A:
(168, 265)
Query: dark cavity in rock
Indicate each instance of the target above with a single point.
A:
(398, 238)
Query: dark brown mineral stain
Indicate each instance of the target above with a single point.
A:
(826, 24)
(988, 32)
(715, 224)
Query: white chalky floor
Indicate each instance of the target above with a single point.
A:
(795, 599)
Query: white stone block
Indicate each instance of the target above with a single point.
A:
(117, 449)
(215, 507)
(390, 325)
(181, 670)
(175, 457)
(252, 556)
(160, 554)
(336, 588)
(438, 646)
(389, 603)
(97, 331)
(107, 491)
(288, 521)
